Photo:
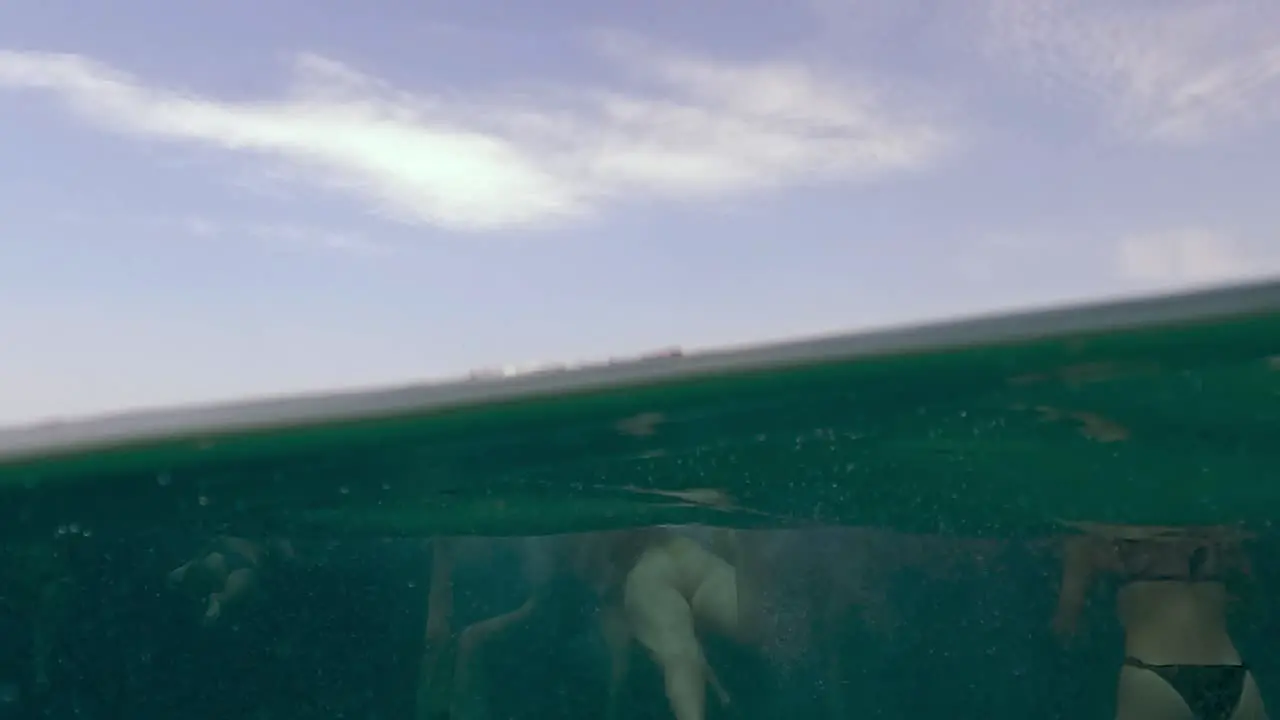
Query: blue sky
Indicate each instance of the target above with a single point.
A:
(211, 200)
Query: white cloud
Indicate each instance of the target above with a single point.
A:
(707, 129)
(1176, 71)
(1191, 256)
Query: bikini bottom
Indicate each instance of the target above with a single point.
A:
(1212, 692)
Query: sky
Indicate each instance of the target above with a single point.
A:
(205, 200)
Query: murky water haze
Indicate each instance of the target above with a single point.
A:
(863, 622)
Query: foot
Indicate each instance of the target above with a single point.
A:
(213, 611)
(175, 577)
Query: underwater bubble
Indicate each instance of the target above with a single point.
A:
(203, 500)
(163, 480)
(344, 490)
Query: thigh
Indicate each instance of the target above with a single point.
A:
(660, 618)
(1250, 707)
(715, 603)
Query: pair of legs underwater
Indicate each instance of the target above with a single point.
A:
(223, 574)
(676, 590)
(452, 658)
(657, 587)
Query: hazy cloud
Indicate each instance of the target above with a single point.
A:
(1192, 256)
(1177, 71)
(704, 129)
(281, 235)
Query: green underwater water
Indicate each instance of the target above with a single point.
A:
(981, 443)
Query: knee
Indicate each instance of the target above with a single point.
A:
(470, 640)
(672, 652)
